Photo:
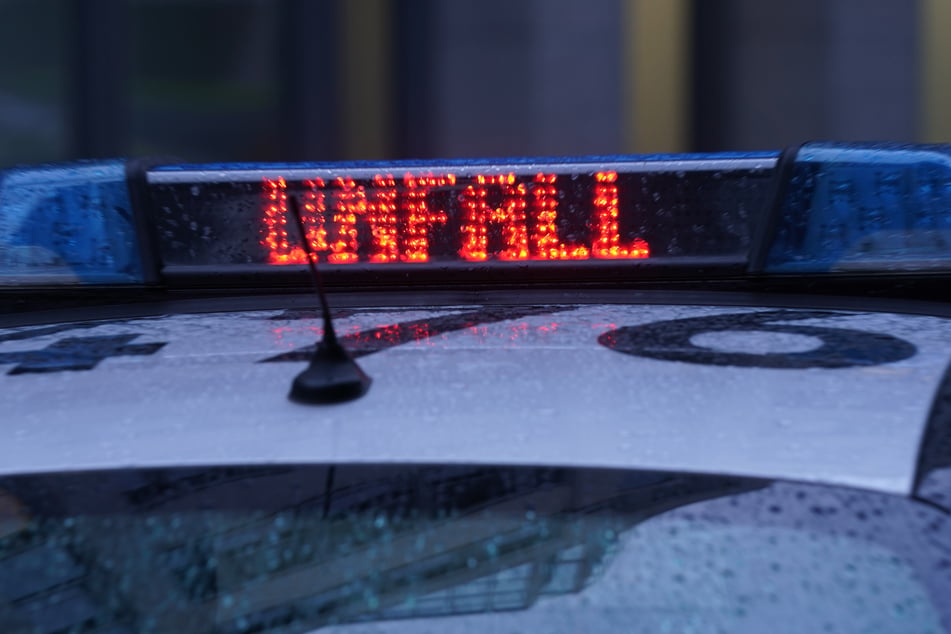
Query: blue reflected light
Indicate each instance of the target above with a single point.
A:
(67, 224)
(862, 207)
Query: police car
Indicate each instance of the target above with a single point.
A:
(667, 393)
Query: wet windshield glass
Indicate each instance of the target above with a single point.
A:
(463, 549)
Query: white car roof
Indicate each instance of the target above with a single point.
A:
(550, 385)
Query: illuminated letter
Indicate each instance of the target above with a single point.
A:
(545, 242)
(510, 214)
(350, 202)
(382, 218)
(419, 217)
(607, 240)
(314, 214)
(275, 221)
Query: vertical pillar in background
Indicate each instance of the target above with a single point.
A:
(771, 74)
(512, 78)
(759, 73)
(480, 85)
(872, 78)
(310, 99)
(658, 70)
(99, 53)
(575, 77)
(413, 62)
(709, 22)
(934, 25)
(366, 84)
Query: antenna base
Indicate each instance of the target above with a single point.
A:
(332, 377)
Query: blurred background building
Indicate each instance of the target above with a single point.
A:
(234, 80)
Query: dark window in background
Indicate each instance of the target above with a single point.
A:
(265, 80)
(236, 80)
(32, 81)
(772, 74)
(205, 82)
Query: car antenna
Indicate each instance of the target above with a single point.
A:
(332, 376)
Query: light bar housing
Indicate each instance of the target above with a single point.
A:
(823, 209)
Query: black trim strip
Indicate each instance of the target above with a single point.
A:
(136, 174)
(119, 306)
(456, 274)
(934, 453)
(764, 231)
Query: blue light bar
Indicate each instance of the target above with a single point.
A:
(863, 207)
(68, 224)
(878, 208)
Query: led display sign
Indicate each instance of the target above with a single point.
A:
(462, 212)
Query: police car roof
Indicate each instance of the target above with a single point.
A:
(821, 395)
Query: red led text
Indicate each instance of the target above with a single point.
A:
(386, 219)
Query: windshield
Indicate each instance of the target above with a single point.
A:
(367, 548)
